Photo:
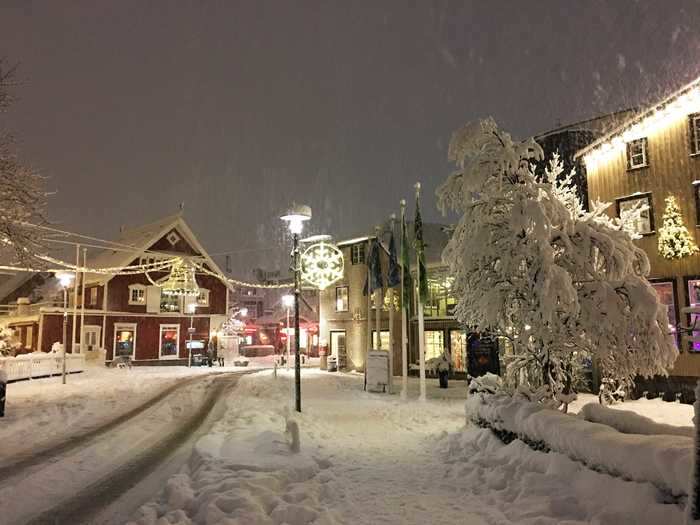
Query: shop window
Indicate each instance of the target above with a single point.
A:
(667, 296)
(125, 340)
(169, 341)
(434, 343)
(385, 339)
(440, 301)
(341, 299)
(458, 350)
(637, 156)
(644, 223)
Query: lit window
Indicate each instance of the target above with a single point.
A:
(137, 294)
(694, 124)
(341, 299)
(644, 223)
(434, 343)
(169, 341)
(666, 292)
(385, 339)
(357, 253)
(637, 154)
(203, 297)
(124, 339)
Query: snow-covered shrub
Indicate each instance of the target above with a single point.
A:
(487, 384)
(529, 263)
(629, 422)
(438, 364)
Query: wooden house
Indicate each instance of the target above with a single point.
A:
(126, 315)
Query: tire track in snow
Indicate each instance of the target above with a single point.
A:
(28, 460)
(98, 495)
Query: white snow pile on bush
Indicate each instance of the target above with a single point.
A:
(664, 461)
(629, 422)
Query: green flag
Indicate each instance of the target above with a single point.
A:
(406, 265)
(420, 253)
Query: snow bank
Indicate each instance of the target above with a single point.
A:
(664, 461)
(629, 422)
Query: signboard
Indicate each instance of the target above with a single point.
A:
(377, 370)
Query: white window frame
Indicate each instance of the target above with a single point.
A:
(631, 156)
(650, 211)
(169, 326)
(695, 134)
(137, 287)
(355, 257)
(124, 326)
(205, 302)
(347, 299)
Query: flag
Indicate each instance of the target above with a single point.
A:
(393, 277)
(420, 253)
(406, 265)
(374, 269)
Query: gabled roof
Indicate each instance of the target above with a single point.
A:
(639, 117)
(135, 242)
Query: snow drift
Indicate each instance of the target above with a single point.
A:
(665, 461)
(629, 422)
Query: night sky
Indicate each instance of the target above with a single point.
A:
(239, 108)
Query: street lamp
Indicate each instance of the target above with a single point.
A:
(288, 302)
(295, 218)
(65, 279)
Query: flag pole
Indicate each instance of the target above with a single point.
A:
(404, 329)
(421, 327)
(390, 292)
(369, 307)
(378, 296)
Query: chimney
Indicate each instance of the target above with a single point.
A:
(23, 305)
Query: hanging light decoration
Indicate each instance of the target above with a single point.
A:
(181, 281)
(322, 265)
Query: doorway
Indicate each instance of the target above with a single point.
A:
(90, 340)
(338, 349)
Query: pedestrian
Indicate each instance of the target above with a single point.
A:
(211, 353)
(220, 357)
(3, 390)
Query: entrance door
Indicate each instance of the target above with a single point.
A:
(338, 349)
(90, 340)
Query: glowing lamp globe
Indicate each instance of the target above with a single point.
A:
(296, 216)
(288, 300)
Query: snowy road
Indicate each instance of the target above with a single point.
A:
(76, 482)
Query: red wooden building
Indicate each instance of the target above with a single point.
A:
(127, 315)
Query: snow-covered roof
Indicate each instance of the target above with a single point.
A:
(638, 117)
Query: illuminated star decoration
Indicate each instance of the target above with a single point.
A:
(321, 265)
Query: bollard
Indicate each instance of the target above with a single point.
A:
(3, 391)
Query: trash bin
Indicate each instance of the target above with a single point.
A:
(332, 364)
(3, 391)
(323, 359)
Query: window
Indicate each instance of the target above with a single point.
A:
(694, 125)
(137, 294)
(644, 224)
(124, 340)
(173, 238)
(357, 253)
(203, 297)
(30, 336)
(434, 343)
(385, 339)
(637, 154)
(458, 350)
(341, 299)
(440, 301)
(169, 341)
(666, 291)
(169, 303)
(92, 300)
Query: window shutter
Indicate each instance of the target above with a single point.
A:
(189, 299)
(645, 144)
(153, 299)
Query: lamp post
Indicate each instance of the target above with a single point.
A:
(191, 309)
(288, 301)
(65, 279)
(295, 218)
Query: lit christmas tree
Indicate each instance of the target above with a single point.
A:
(675, 241)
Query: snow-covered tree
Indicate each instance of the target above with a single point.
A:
(531, 264)
(675, 241)
(22, 198)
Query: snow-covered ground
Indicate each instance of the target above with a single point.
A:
(44, 411)
(371, 458)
